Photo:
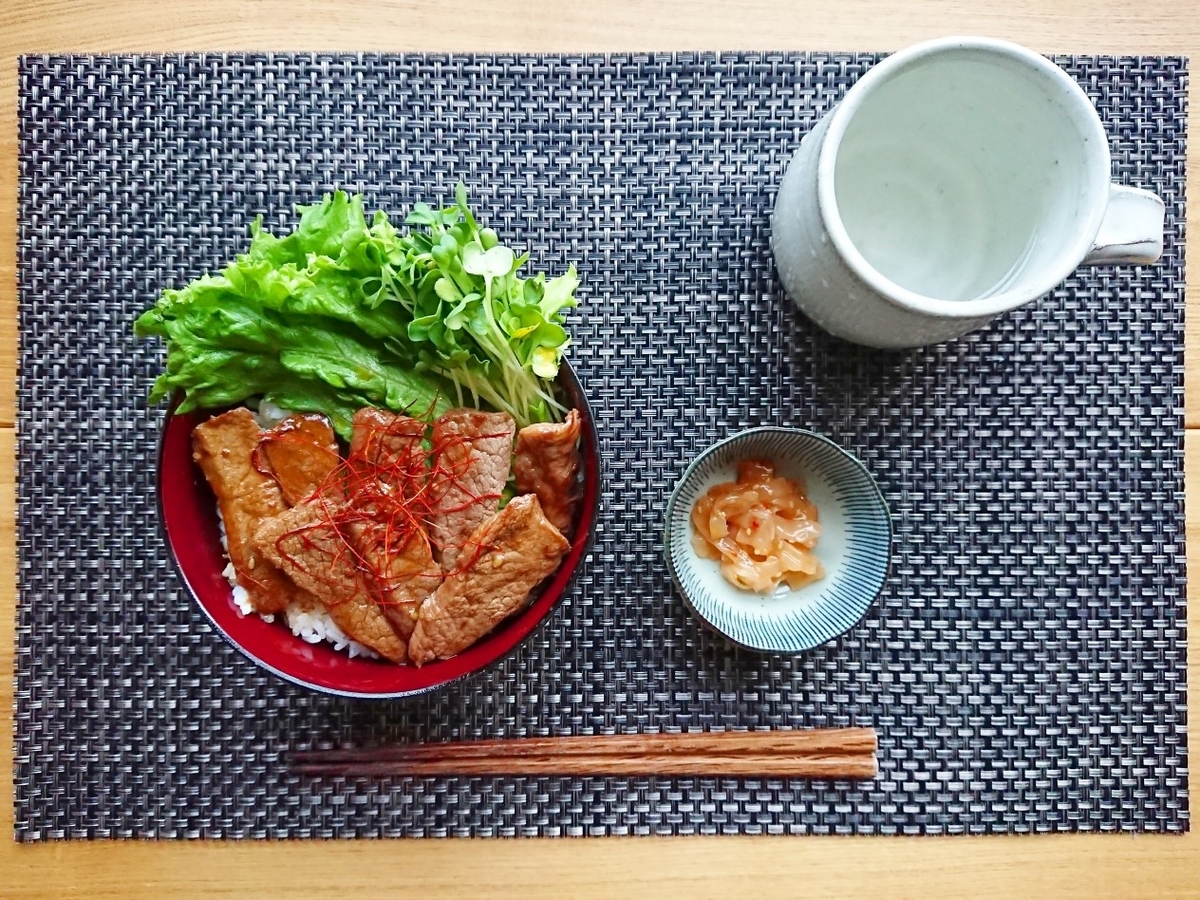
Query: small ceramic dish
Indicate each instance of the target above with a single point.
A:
(854, 547)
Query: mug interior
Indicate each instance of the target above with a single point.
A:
(971, 173)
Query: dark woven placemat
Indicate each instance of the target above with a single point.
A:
(1025, 666)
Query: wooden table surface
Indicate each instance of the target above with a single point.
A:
(1047, 865)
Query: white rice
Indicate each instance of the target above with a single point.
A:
(269, 414)
(312, 624)
(241, 597)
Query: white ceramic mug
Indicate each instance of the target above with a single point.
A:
(956, 180)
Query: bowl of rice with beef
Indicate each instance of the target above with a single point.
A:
(410, 556)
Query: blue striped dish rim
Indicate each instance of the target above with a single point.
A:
(795, 621)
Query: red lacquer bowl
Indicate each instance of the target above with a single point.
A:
(188, 511)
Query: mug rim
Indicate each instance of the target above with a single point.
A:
(843, 114)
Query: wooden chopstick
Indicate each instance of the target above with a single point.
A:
(762, 743)
(831, 767)
(816, 753)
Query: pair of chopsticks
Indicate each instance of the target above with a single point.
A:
(815, 753)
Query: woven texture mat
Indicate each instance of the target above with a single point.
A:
(1025, 666)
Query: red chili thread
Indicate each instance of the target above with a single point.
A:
(393, 494)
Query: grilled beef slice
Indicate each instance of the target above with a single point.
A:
(403, 567)
(388, 467)
(473, 454)
(224, 448)
(502, 561)
(306, 543)
(385, 448)
(302, 453)
(546, 463)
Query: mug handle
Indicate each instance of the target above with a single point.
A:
(1132, 230)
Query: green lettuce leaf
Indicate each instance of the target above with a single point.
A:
(344, 312)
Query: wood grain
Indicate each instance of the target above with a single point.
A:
(776, 742)
(778, 753)
(8, 237)
(604, 766)
(1070, 26)
(1043, 866)
(728, 868)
